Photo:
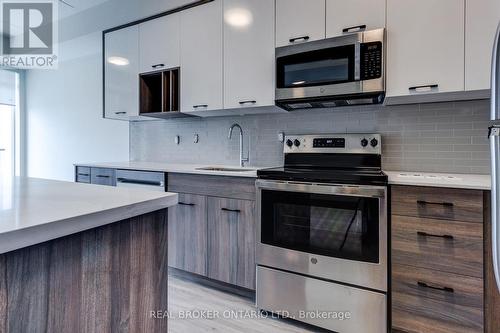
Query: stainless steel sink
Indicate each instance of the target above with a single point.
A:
(223, 169)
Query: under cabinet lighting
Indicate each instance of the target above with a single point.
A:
(118, 61)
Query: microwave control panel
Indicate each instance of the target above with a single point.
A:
(371, 60)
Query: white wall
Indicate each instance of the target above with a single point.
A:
(64, 122)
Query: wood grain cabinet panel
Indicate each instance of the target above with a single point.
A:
(187, 234)
(449, 246)
(217, 186)
(231, 241)
(430, 301)
(438, 203)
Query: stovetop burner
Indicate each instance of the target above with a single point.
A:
(332, 158)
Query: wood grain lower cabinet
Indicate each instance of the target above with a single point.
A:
(437, 270)
(187, 234)
(212, 230)
(231, 241)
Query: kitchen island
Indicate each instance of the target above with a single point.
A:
(82, 258)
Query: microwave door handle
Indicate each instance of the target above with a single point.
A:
(357, 61)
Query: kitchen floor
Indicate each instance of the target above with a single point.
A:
(189, 297)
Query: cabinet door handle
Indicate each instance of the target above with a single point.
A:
(425, 234)
(102, 176)
(121, 112)
(356, 28)
(247, 102)
(158, 65)
(200, 106)
(186, 204)
(297, 39)
(423, 88)
(446, 204)
(231, 210)
(428, 286)
(83, 174)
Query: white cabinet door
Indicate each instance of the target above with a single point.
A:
(121, 81)
(299, 20)
(248, 53)
(159, 42)
(344, 14)
(425, 46)
(481, 21)
(201, 58)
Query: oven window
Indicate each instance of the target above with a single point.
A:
(336, 226)
(316, 68)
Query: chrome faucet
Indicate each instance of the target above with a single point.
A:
(242, 159)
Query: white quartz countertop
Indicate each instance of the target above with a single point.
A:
(34, 210)
(176, 168)
(465, 181)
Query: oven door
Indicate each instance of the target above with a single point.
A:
(335, 232)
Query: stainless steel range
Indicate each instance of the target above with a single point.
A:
(322, 233)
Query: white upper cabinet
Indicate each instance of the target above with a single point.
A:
(481, 21)
(248, 53)
(159, 41)
(299, 20)
(201, 58)
(345, 14)
(425, 46)
(121, 80)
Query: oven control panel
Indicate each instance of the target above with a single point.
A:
(334, 143)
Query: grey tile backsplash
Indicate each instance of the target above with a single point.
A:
(441, 137)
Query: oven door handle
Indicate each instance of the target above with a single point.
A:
(369, 191)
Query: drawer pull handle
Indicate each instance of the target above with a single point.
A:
(158, 65)
(446, 204)
(200, 106)
(186, 204)
(231, 210)
(102, 176)
(121, 112)
(423, 88)
(355, 29)
(296, 39)
(425, 234)
(428, 286)
(83, 174)
(247, 102)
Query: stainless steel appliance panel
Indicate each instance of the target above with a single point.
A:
(495, 156)
(311, 300)
(366, 274)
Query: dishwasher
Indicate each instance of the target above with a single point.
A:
(146, 180)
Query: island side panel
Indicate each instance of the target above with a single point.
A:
(106, 279)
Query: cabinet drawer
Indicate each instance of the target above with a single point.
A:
(82, 174)
(430, 301)
(455, 247)
(103, 176)
(438, 203)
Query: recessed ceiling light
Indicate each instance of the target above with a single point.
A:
(296, 83)
(238, 17)
(118, 61)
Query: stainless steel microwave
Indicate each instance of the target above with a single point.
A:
(338, 71)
